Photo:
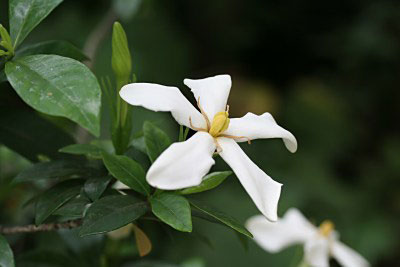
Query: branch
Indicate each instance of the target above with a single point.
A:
(31, 228)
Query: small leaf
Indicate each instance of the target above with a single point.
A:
(210, 181)
(73, 208)
(25, 15)
(53, 47)
(83, 149)
(6, 254)
(213, 215)
(172, 209)
(55, 197)
(155, 139)
(95, 187)
(58, 86)
(55, 169)
(128, 171)
(142, 241)
(112, 212)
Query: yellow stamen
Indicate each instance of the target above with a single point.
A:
(326, 228)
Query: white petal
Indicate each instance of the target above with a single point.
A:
(264, 126)
(292, 229)
(262, 189)
(346, 256)
(316, 252)
(183, 164)
(162, 98)
(213, 93)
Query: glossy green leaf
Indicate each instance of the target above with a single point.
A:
(55, 197)
(212, 215)
(128, 171)
(112, 212)
(155, 139)
(58, 86)
(172, 209)
(53, 47)
(95, 187)
(25, 15)
(73, 208)
(30, 135)
(6, 254)
(56, 169)
(210, 181)
(83, 149)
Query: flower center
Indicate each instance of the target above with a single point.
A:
(219, 124)
(326, 228)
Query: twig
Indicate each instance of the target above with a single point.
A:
(31, 228)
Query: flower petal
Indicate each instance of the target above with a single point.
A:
(183, 164)
(316, 252)
(293, 228)
(346, 256)
(262, 189)
(264, 126)
(213, 93)
(163, 98)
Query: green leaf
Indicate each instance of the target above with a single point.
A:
(58, 86)
(56, 169)
(6, 254)
(73, 208)
(215, 216)
(139, 144)
(55, 197)
(172, 209)
(210, 181)
(121, 61)
(25, 15)
(244, 240)
(155, 139)
(95, 187)
(53, 47)
(128, 171)
(83, 149)
(28, 134)
(3, 76)
(112, 212)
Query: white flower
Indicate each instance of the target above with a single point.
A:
(184, 164)
(319, 243)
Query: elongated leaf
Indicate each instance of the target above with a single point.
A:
(95, 187)
(58, 86)
(112, 212)
(73, 208)
(155, 139)
(210, 181)
(25, 15)
(53, 47)
(83, 149)
(55, 169)
(213, 215)
(55, 197)
(6, 254)
(172, 209)
(28, 134)
(128, 171)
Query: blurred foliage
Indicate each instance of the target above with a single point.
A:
(327, 71)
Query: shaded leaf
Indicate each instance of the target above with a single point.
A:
(58, 86)
(172, 209)
(6, 254)
(128, 171)
(155, 139)
(112, 212)
(139, 144)
(95, 187)
(213, 215)
(143, 242)
(25, 15)
(3, 76)
(210, 181)
(83, 149)
(46, 258)
(55, 197)
(74, 208)
(53, 47)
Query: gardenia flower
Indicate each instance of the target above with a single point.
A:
(319, 243)
(184, 164)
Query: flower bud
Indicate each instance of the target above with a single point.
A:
(121, 58)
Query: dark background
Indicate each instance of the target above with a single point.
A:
(328, 71)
